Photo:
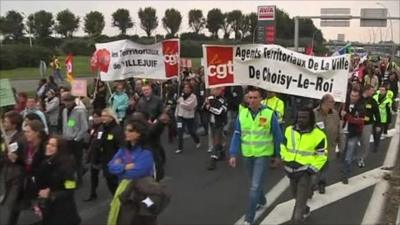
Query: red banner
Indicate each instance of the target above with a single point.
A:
(171, 54)
(219, 65)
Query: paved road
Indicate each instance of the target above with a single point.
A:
(200, 196)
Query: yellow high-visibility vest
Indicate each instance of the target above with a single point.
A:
(302, 148)
(256, 136)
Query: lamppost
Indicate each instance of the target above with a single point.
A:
(30, 32)
(312, 40)
(391, 27)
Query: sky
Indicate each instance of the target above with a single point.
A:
(293, 8)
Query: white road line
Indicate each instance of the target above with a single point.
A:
(376, 205)
(271, 197)
(283, 212)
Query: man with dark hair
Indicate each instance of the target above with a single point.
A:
(371, 121)
(74, 127)
(353, 122)
(304, 153)
(258, 135)
(11, 168)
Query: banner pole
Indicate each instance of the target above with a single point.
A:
(109, 88)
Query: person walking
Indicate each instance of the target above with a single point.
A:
(75, 126)
(52, 110)
(304, 153)
(218, 110)
(56, 184)
(131, 162)
(185, 114)
(11, 168)
(371, 122)
(119, 101)
(149, 104)
(353, 117)
(110, 138)
(258, 135)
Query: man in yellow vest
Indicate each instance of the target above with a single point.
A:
(304, 153)
(258, 136)
(384, 99)
(278, 106)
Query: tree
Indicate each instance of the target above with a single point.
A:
(2, 25)
(215, 21)
(196, 20)
(94, 23)
(41, 24)
(148, 20)
(12, 25)
(235, 20)
(226, 26)
(122, 20)
(67, 23)
(285, 24)
(172, 21)
(252, 20)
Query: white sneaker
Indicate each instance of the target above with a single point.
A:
(209, 150)
(246, 223)
(198, 145)
(178, 151)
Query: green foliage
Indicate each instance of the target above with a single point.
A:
(148, 20)
(122, 20)
(235, 21)
(13, 56)
(194, 36)
(172, 21)
(12, 25)
(77, 46)
(226, 27)
(215, 21)
(196, 20)
(67, 23)
(284, 25)
(41, 24)
(94, 23)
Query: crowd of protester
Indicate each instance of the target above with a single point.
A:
(50, 140)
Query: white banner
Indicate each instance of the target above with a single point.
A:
(277, 69)
(119, 60)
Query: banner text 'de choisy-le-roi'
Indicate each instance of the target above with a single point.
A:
(276, 69)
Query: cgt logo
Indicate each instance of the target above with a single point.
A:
(220, 71)
(170, 49)
(219, 65)
(171, 59)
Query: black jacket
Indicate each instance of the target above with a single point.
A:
(372, 115)
(60, 207)
(234, 96)
(154, 142)
(218, 110)
(109, 138)
(152, 107)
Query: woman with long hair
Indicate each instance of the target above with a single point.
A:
(56, 184)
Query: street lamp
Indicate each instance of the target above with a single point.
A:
(391, 27)
(312, 40)
(30, 32)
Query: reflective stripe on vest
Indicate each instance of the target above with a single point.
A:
(301, 148)
(256, 137)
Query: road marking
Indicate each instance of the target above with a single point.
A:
(271, 197)
(283, 212)
(376, 205)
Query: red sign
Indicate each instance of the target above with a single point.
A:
(266, 12)
(171, 53)
(270, 34)
(219, 65)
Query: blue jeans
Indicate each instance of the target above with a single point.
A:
(351, 145)
(257, 169)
